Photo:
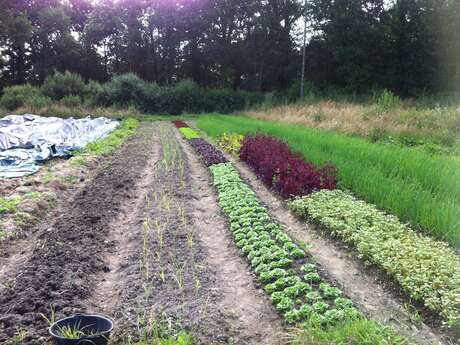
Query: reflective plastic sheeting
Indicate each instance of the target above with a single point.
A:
(26, 140)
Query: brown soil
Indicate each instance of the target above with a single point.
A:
(55, 183)
(340, 267)
(60, 269)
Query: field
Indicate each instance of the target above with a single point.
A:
(418, 187)
(182, 243)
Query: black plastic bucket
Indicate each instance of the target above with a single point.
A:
(99, 325)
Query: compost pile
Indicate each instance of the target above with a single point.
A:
(27, 140)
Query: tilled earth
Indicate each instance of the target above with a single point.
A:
(67, 255)
(137, 243)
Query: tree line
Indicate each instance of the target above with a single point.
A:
(408, 46)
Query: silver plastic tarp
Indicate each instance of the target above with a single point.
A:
(27, 140)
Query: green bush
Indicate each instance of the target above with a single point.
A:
(17, 96)
(93, 94)
(71, 101)
(130, 90)
(386, 101)
(59, 85)
(151, 101)
(38, 102)
(122, 90)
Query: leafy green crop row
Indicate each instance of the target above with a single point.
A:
(189, 133)
(114, 140)
(411, 184)
(429, 271)
(295, 287)
(290, 278)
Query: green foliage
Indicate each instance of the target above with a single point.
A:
(122, 90)
(385, 101)
(60, 85)
(355, 332)
(71, 101)
(114, 140)
(17, 96)
(411, 184)
(10, 205)
(189, 133)
(230, 143)
(427, 270)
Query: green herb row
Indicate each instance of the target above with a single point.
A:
(429, 271)
(189, 133)
(295, 287)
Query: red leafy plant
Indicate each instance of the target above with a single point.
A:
(180, 124)
(284, 171)
(208, 153)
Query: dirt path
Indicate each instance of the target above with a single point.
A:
(60, 269)
(242, 296)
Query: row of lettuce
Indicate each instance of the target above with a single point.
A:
(289, 275)
(427, 270)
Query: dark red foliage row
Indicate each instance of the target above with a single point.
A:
(208, 153)
(180, 124)
(287, 173)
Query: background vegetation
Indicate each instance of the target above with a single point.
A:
(408, 46)
(123, 91)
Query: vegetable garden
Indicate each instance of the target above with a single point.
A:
(170, 235)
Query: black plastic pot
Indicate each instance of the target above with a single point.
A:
(99, 324)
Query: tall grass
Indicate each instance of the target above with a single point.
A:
(419, 188)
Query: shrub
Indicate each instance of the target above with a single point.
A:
(223, 100)
(208, 153)
(124, 89)
(280, 169)
(152, 98)
(180, 124)
(230, 143)
(15, 97)
(429, 271)
(37, 103)
(94, 94)
(386, 101)
(189, 133)
(59, 85)
(71, 101)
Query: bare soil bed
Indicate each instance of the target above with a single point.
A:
(144, 242)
